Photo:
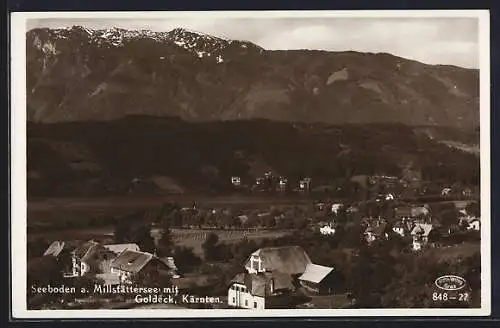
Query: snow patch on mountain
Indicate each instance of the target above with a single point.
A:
(199, 44)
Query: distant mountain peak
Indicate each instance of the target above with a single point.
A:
(79, 73)
(200, 44)
(184, 31)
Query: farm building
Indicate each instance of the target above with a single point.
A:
(287, 259)
(257, 290)
(318, 279)
(98, 260)
(79, 257)
(130, 263)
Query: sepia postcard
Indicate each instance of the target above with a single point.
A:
(250, 164)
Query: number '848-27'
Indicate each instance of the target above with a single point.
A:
(461, 297)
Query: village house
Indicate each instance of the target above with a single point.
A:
(335, 208)
(467, 192)
(283, 184)
(305, 184)
(98, 260)
(318, 279)
(79, 257)
(236, 181)
(389, 196)
(420, 234)
(471, 222)
(376, 231)
(328, 229)
(256, 290)
(130, 263)
(403, 227)
(92, 257)
(271, 272)
(474, 224)
(291, 260)
(446, 192)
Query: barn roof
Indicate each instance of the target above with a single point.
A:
(131, 261)
(99, 258)
(286, 259)
(118, 248)
(315, 273)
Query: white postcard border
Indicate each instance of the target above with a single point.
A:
(18, 168)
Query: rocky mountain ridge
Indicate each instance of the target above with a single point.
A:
(79, 74)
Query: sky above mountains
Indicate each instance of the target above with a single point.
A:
(447, 41)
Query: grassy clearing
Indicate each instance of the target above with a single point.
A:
(453, 252)
(194, 238)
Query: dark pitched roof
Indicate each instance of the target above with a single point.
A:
(99, 258)
(286, 259)
(259, 284)
(131, 261)
(84, 248)
(239, 278)
(282, 281)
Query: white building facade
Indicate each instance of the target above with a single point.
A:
(239, 296)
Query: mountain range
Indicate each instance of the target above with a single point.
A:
(79, 74)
